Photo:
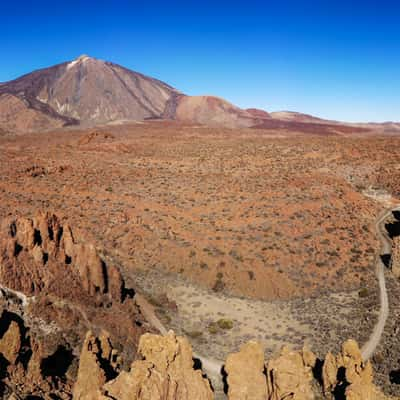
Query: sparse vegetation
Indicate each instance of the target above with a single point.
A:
(224, 323)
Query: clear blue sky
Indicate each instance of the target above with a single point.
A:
(334, 59)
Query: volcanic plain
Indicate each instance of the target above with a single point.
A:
(231, 234)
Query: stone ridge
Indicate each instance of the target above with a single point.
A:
(41, 254)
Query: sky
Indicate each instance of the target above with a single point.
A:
(333, 59)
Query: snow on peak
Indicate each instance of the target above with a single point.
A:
(81, 58)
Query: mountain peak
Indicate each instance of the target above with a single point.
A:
(83, 57)
(88, 91)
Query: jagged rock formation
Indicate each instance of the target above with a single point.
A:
(54, 288)
(41, 254)
(98, 363)
(25, 360)
(288, 376)
(165, 370)
(165, 373)
(347, 376)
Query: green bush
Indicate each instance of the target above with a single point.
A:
(213, 328)
(225, 323)
(363, 292)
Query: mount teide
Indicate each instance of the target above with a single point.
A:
(88, 91)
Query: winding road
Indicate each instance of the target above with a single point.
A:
(214, 367)
(386, 248)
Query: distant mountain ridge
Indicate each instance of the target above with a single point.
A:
(89, 92)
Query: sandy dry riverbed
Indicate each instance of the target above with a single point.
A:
(323, 322)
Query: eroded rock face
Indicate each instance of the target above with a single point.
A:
(289, 376)
(99, 363)
(165, 373)
(42, 254)
(24, 360)
(329, 373)
(245, 373)
(347, 375)
(54, 289)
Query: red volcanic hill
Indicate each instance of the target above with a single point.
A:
(214, 111)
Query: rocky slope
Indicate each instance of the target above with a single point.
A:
(16, 115)
(215, 112)
(86, 91)
(54, 287)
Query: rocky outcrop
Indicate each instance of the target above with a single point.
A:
(245, 373)
(54, 289)
(396, 256)
(99, 363)
(348, 376)
(164, 370)
(42, 254)
(329, 374)
(165, 373)
(27, 362)
(289, 376)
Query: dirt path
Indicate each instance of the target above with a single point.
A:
(370, 346)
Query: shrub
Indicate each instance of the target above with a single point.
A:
(213, 328)
(363, 292)
(225, 323)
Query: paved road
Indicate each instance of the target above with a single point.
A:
(386, 248)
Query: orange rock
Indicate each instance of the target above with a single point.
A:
(96, 366)
(245, 369)
(10, 343)
(289, 377)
